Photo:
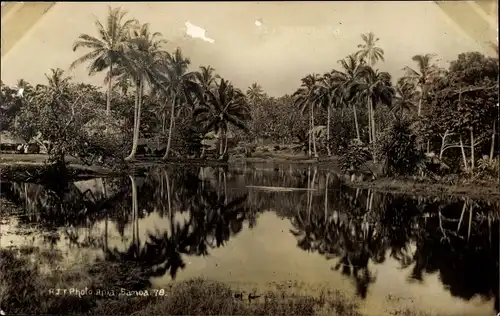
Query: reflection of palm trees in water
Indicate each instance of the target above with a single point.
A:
(213, 219)
(364, 226)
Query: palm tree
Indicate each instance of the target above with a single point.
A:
(329, 89)
(307, 97)
(206, 77)
(107, 48)
(374, 88)
(255, 94)
(225, 105)
(369, 51)
(405, 98)
(177, 86)
(426, 73)
(352, 73)
(140, 62)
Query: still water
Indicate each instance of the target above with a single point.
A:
(254, 228)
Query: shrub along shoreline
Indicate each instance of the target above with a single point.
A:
(39, 171)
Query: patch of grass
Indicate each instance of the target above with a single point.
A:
(24, 289)
(205, 297)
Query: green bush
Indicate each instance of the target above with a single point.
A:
(397, 148)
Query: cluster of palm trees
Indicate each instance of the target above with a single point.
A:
(360, 83)
(131, 54)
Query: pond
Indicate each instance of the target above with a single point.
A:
(259, 227)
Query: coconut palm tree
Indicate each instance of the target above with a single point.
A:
(107, 48)
(255, 93)
(225, 105)
(426, 72)
(375, 88)
(350, 75)
(177, 86)
(140, 61)
(369, 51)
(307, 98)
(207, 77)
(405, 98)
(329, 89)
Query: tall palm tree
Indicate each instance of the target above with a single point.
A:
(369, 51)
(140, 62)
(352, 73)
(405, 98)
(107, 48)
(375, 88)
(177, 86)
(307, 98)
(329, 91)
(427, 71)
(225, 105)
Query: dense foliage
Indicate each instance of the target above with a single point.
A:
(153, 97)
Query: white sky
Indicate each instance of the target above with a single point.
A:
(295, 38)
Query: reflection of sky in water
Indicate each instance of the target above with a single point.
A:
(256, 257)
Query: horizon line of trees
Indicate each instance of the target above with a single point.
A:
(342, 112)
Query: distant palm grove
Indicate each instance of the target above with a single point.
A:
(430, 117)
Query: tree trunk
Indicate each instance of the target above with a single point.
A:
(313, 132)
(163, 122)
(374, 130)
(110, 85)
(309, 138)
(221, 142)
(466, 168)
(492, 148)
(472, 160)
(356, 121)
(225, 142)
(328, 130)
(170, 128)
(370, 140)
(326, 195)
(419, 111)
(135, 137)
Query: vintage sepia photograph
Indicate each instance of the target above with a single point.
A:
(293, 158)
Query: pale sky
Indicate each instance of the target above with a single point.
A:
(293, 40)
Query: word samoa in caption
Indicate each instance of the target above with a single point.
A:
(99, 292)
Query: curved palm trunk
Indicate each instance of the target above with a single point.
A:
(170, 128)
(137, 120)
(356, 121)
(110, 85)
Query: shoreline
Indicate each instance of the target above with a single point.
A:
(488, 190)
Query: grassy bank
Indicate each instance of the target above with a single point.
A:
(472, 189)
(28, 287)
